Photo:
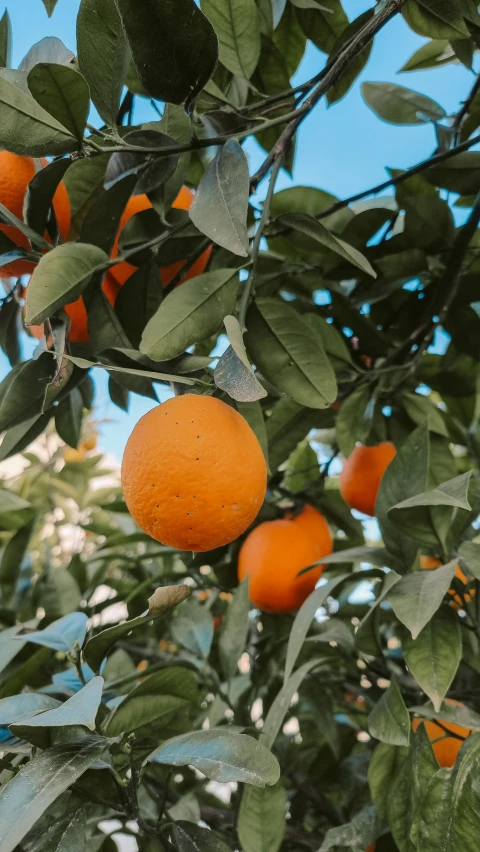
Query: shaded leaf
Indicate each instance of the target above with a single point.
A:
(63, 93)
(235, 626)
(417, 596)
(317, 231)
(389, 721)
(103, 55)
(193, 628)
(27, 129)
(261, 818)
(434, 656)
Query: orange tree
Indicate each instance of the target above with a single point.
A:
(281, 682)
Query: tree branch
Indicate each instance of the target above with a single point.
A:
(330, 76)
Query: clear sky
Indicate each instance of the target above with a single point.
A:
(342, 149)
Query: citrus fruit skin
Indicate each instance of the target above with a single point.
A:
(16, 172)
(194, 475)
(311, 521)
(371, 848)
(428, 563)
(446, 748)
(362, 474)
(272, 556)
(138, 203)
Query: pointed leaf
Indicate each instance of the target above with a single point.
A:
(399, 105)
(190, 314)
(233, 372)
(237, 27)
(162, 694)
(27, 129)
(222, 756)
(235, 628)
(103, 55)
(306, 224)
(193, 628)
(81, 709)
(389, 721)
(417, 596)
(63, 93)
(194, 838)
(220, 206)
(261, 819)
(433, 658)
(69, 835)
(61, 634)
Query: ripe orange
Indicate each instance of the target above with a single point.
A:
(362, 474)
(446, 748)
(137, 204)
(371, 848)
(314, 524)
(193, 473)
(427, 563)
(272, 556)
(16, 172)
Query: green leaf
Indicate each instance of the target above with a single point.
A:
(303, 620)
(283, 700)
(60, 278)
(361, 831)
(61, 634)
(306, 224)
(233, 372)
(235, 627)
(431, 55)
(27, 129)
(419, 408)
(14, 511)
(261, 819)
(437, 19)
(417, 515)
(190, 313)
(84, 182)
(287, 354)
(18, 707)
(288, 424)
(5, 40)
(406, 790)
(39, 783)
(81, 709)
(219, 209)
(448, 819)
(165, 598)
(290, 40)
(63, 93)
(398, 105)
(417, 596)
(12, 559)
(460, 174)
(322, 23)
(68, 418)
(194, 838)
(162, 694)
(68, 835)
(174, 47)
(389, 721)
(50, 6)
(103, 55)
(237, 27)
(451, 713)
(138, 300)
(385, 764)
(222, 756)
(103, 220)
(356, 66)
(193, 628)
(20, 437)
(405, 476)
(253, 414)
(37, 205)
(469, 553)
(434, 656)
(351, 425)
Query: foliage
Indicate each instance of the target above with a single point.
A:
(112, 708)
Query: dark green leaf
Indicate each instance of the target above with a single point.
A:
(288, 355)
(63, 93)
(322, 22)
(162, 694)
(362, 830)
(193, 628)
(68, 418)
(190, 314)
(60, 278)
(22, 391)
(261, 819)
(26, 128)
(351, 425)
(253, 414)
(236, 25)
(399, 105)
(220, 206)
(234, 633)
(222, 756)
(438, 19)
(84, 182)
(460, 174)
(174, 47)
(27, 796)
(40, 192)
(417, 596)
(433, 658)
(340, 89)
(103, 55)
(194, 838)
(385, 764)
(406, 790)
(389, 721)
(12, 559)
(138, 300)
(5, 40)
(431, 55)
(68, 835)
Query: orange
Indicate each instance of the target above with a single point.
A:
(362, 474)
(16, 172)
(446, 748)
(72, 456)
(427, 563)
(371, 848)
(272, 556)
(193, 473)
(137, 204)
(314, 524)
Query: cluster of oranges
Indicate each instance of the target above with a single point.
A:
(16, 172)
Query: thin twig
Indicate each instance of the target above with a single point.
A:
(248, 289)
(463, 112)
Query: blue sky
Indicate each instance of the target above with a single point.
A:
(342, 149)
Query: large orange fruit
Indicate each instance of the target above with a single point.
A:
(362, 474)
(428, 563)
(272, 556)
(315, 525)
(16, 172)
(446, 748)
(193, 473)
(138, 203)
